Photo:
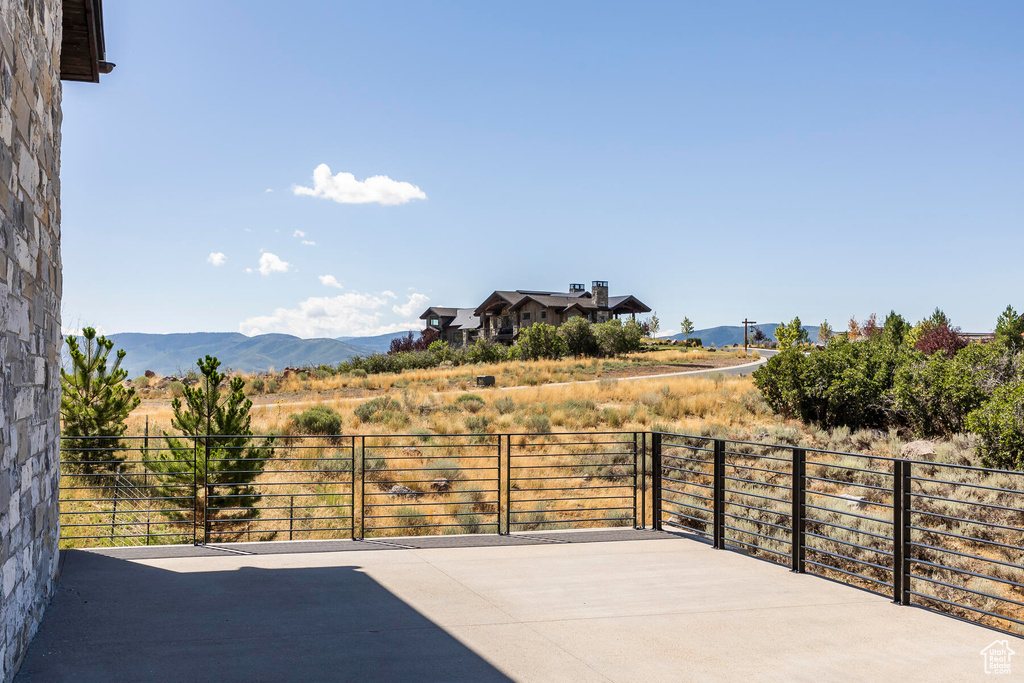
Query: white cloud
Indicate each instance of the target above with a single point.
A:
(309, 243)
(345, 189)
(272, 263)
(412, 307)
(298, 233)
(216, 258)
(268, 190)
(348, 314)
(330, 281)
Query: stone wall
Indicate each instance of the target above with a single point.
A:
(30, 288)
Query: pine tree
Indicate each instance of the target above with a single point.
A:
(687, 326)
(824, 332)
(94, 403)
(214, 448)
(1009, 330)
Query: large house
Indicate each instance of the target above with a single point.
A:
(504, 313)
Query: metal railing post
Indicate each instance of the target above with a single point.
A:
(901, 507)
(799, 494)
(352, 493)
(206, 489)
(656, 481)
(358, 500)
(195, 491)
(643, 480)
(502, 497)
(291, 516)
(718, 508)
(636, 480)
(508, 484)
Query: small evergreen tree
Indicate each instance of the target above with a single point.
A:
(791, 334)
(824, 332)
(687, 326)
(1009, 330)
(214, 446)
(94, 403)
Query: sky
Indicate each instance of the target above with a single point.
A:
(331, 169)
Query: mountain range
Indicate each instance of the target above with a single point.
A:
(727, 335)
(176, 354)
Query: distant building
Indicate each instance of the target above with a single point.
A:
(505, 312)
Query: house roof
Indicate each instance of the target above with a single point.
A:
(515, 300)
(440, 312)
(466, 319)
(82, 50)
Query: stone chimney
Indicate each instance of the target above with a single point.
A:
(600, 293)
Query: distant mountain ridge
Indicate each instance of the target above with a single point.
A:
(172, 354)
(727, 335)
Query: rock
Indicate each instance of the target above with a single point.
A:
(440, 485)
(400, 491)
(855, 502)
(918, 450)
(150, 374)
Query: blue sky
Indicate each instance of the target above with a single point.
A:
(718, 161)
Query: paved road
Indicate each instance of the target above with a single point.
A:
(735, 370)
(650, 607)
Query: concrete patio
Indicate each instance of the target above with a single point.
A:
(617, 605)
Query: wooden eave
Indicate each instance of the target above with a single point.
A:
(82, 51)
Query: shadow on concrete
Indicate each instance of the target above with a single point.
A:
(389, 543)
(114, 620)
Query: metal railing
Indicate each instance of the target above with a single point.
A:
(945, 536)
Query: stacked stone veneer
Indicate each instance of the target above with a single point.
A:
(30, 287)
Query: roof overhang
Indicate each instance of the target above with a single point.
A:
(83, 55)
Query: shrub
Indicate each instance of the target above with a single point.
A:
(539, 424)
(477, 423)
(318, 420)
(378, 409)
(176, 389)
(614, 337)
(941, 337)
(358, 373)
(483, 351)
(579, 338)
(1000, 425)
(540, 340)
(258, 385)
(504, 405)
(141, 381)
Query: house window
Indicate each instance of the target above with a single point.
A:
(543, 315)
(526, 316)
(435, 322)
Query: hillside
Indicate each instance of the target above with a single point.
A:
(169, 354)
(378, 344)
(727, 335)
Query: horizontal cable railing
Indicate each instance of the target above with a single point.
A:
(945, 536)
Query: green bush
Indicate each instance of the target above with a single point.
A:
(258, 385)
(318, 420)
(1000, 425)
(272, 386)
(380, 409)
(141, 381)
(540, 340)
(504, 405)
(539, 424)
(176, 389)
(477, 423)
(615, 338)
(579, 338)
(483, 351)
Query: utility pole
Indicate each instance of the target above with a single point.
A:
(745, 342)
